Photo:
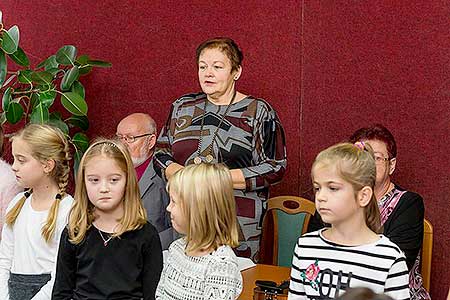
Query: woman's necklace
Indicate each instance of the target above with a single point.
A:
(105, 241)
(209, 157)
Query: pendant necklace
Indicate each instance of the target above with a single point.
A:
(209, 157)
(105, 241)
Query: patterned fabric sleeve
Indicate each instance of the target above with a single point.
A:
(397, 281)
(269, 151)
(163, 153)
(223, 280)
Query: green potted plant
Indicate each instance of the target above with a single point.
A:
(29, 93)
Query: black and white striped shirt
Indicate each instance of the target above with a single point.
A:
(322, 269)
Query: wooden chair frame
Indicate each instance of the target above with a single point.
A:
(289, 205)
(427, 253)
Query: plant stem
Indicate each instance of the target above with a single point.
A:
(26, 92)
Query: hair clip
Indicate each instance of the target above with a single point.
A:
(360, 145)
(58, 196)
(27, 192)
(108, 143)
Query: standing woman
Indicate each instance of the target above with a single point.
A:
(402, 212)
(223, 125)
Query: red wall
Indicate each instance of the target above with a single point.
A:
(328, 67)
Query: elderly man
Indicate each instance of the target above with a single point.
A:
(138, 132)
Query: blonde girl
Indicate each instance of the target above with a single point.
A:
(350, 253)
(36, 217)
(202, 264)
(108, 250)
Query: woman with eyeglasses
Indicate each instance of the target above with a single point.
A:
(402, 212)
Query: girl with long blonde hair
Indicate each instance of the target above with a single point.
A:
(351, 252)
(108, 250)
(202, 264)
(35, 218)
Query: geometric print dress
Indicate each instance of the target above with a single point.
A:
(250, 138)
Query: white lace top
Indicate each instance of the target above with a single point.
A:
(214, 276)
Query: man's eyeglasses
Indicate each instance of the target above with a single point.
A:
(131, 138)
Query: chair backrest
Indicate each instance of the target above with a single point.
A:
(287, 218)
(427, 251)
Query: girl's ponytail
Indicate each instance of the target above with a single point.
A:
(11, 216)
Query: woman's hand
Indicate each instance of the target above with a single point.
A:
(238, 179)
(172, 169)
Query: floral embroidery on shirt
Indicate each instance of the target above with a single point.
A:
(311, 273)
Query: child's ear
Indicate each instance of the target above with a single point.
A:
(364, 196)
(48, 165)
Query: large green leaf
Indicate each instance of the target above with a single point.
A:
(47, 98)
(69, 78)
(66, 55)
(48, 63)
(39, 114)
(53, 71)
(78, 88)
(55, 120)
(10, 40)
(82, 60)
(20, 58)
(74, 103)
(81, 122)
(14, 112)
(42, 77)
(81, 141)
(35, 100)
(25, 76)
(99, 63)
(6, 99)
(84, 70)
(3, 67)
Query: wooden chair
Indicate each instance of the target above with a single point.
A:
(287, 218)
(427, 250)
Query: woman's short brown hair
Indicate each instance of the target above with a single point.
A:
(225, 45)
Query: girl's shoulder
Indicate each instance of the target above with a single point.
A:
(224, 254)
(146, 233)
(384, 245)
(67, 201)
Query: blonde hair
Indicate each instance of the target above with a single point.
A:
(356, 165)
(46, 143)
(207, 200)
(82, 214)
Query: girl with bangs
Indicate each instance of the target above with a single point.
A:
(202, 264)
(108, 250)
(35, 218)
(351, 252)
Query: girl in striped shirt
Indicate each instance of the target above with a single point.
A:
(350, 253)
